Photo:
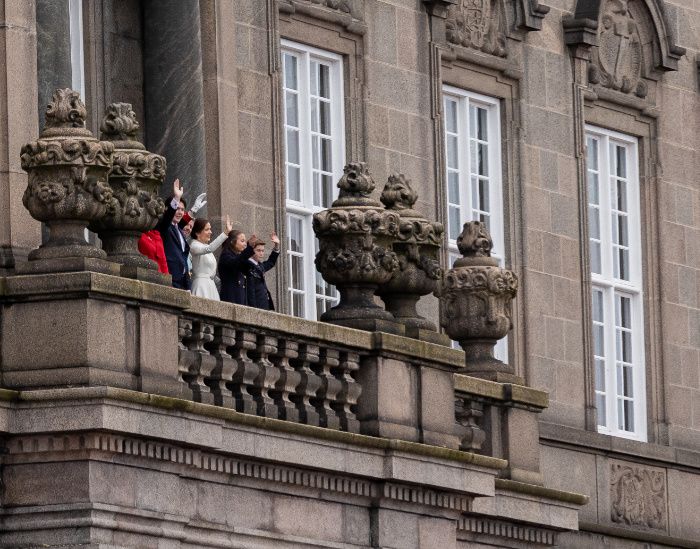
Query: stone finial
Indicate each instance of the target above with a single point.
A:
(398, 193)
(475, 240)
(66, 110)
(417, 247)
(356, 186)
(119, 123)
(355, 237)
(135, 179)
(476, 297)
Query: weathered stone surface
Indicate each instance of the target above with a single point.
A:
(135, 179)
(67, 187)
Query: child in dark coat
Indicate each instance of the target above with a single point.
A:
(233, 267)
(258, 294)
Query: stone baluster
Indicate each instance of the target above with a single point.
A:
(243, 380)
(288, 381)
(222, 374)
(329, 389)
(349, 392)
(470, 413)
(185, 356)
(200, 363)
(267, 377)
(308, 385)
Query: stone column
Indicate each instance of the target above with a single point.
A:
(19, 233)
(174, 101)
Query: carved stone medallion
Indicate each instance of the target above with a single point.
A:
(638, 496)
(618, 62)
(477, 24)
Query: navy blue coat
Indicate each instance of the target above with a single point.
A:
(258, 294)
(233, 268)
(174, 254)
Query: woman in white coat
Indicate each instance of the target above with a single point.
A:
(203, 260)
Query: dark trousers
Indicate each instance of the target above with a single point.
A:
(182, 283)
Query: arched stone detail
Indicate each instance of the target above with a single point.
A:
(645, 18)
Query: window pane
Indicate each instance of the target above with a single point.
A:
(324, 86)
(595, 258)
(484, 205)
(592, 153)
(452, 152)
(600, 375)
(593, 191)
(451, 116)
(298, 305)
(483, 154)
(295, 238)
(453, 187)
(621, 161)
(292, 109)
(621, 198)
(327, 190)
(593, 223)
(326, 154)
(293, 183)
(454, 222)
(290, 72)
(601, 409)
(325, 117)
(293, 146)
(598, 311)
(297, 272)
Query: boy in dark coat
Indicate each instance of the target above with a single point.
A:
(258, 294)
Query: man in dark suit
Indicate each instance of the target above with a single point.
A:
(174, 240)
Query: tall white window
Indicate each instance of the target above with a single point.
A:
(77, 52)
(473, 160)
(315, 150)
(616, 274)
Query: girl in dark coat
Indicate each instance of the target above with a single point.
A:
(233, 267)
(258, 294)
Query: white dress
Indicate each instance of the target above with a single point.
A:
(204, 267)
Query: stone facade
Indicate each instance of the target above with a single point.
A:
(204, 77)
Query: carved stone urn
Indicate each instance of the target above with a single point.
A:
(355, 237)
(476, 297)
(68, 187)
(135, 179)
(417, 247)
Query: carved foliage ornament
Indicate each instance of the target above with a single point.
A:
(477, 24)
(638, 496)
(618, 61)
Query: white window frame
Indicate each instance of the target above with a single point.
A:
(464, 100)
(610, 286)
(304, 207)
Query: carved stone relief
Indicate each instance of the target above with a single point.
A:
(638, 496)
(618, 61)
(477, 24)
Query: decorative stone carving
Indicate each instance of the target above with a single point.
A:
(417, 247)
(355, 237)
(477, 24)
(476, 297)
(618, 61)
(67, 187)
(135, 179)
(638, 496)
(342, 5)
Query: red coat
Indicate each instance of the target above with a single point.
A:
(151, 245)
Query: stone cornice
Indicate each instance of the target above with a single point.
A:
(507, 392)
(90, 445)
(229, 415)
(496, 528)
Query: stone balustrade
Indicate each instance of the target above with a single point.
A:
(270, 373)
(500, 420)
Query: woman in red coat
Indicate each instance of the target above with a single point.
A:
(151, 245)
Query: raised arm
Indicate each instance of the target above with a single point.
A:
(199, 248)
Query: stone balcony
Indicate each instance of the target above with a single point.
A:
(117, 390)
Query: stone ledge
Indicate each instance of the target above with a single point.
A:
(541, 491)
(618, 447)
(228, 415)
(646, 536)
(507, 392)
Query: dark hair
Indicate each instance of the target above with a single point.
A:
(232, 237)
(198, 226)
(257, 243)
(184, 202)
